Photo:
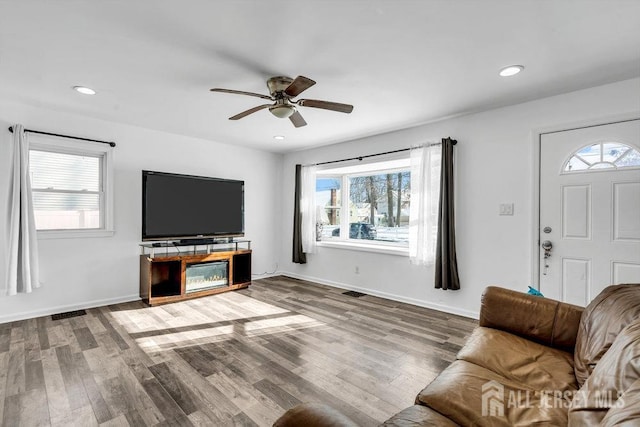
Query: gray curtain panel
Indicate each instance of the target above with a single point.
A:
(446, 262)
(299, 256)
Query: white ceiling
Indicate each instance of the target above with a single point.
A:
(400, 63)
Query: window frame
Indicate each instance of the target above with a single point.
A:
(340, 206)
(105, 154)
(590, 166)
(356, 170)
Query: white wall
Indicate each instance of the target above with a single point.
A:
(494, 165)
(85, 272)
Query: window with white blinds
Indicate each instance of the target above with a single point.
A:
(69, 187)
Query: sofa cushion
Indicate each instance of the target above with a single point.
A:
(614, 374)
(418, 416)
(626, 411)
(603, 319)
(464, 389)
(543, 320)
(520, 360)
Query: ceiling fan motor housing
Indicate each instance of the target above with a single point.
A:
(277, 85)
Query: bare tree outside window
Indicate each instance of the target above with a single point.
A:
(377, 208)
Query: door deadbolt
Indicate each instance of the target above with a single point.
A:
(547, 229)
(546, 246)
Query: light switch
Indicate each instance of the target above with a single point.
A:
(506, 208)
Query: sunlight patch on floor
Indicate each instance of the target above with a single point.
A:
(171, 340)
(280, 324)
(181, 339)
(193, 313)
(207, 320)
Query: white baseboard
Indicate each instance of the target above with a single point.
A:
(386, 295)
(64, 308)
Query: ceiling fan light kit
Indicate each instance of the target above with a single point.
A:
(282, 111)
(282, 90)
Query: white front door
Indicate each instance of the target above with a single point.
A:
(589, 210)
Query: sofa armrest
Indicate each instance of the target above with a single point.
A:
(313, 415)
(539, 319)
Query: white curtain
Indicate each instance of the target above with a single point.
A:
(423, 214)
(308, 209)
(22, 245)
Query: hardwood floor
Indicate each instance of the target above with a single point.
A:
(240, 358)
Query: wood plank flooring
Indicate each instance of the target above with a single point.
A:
(235, 359)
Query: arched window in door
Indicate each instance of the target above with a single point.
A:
(603, 155)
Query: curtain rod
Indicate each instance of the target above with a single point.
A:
(379, 154)
(112, 144)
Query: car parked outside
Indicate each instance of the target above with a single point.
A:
(359, 230)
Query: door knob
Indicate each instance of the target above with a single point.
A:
(547, 245)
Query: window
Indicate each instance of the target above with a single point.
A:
(328, 202)
(367, 204)
(603, 155)
(71, 187)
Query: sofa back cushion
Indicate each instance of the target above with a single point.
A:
(613, 376)
(543, 320)
(603, 319)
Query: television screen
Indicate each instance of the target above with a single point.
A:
(183, 206)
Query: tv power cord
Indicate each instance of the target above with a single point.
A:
(266, 273)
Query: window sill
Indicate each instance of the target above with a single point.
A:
(364, 247)
(72, 234)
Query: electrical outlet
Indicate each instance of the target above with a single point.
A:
(506, 208)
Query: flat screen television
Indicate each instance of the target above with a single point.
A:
(190, 207)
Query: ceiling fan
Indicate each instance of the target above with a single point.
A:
(282, 90)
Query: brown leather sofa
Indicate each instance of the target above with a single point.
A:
(531, 361)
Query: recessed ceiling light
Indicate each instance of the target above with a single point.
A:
(84, 90)
(279, 137)
(511, 70)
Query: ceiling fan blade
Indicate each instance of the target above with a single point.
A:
(240, 92)
(250, 111)
(297, 120)
(326, 105)
(299, 85)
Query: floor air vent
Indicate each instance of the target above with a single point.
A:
(68, 314)
(354, 294)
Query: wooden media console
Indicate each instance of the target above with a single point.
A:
(169, 272)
